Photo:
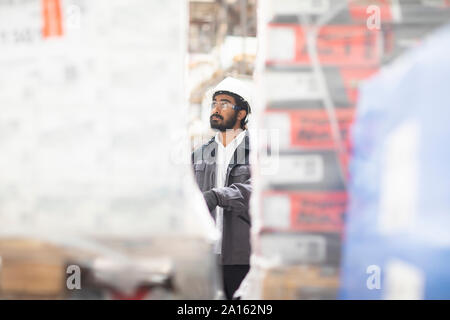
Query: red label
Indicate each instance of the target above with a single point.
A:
(52, 17)
(312, 128)
(336, 45)
(315, 211)
(318, 211)
(342, 46)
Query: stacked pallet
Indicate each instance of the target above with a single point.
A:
(317, 53)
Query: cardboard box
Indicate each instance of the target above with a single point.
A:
(290, 248)
(290, 87)
(303, 170)
(337, 45)
(301, 282)
(401, 11)
(31, 269)
(308, 129)
(358, 12)
(304, 211)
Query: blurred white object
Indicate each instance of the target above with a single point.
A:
(94, 133)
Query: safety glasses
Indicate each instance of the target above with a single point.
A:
(223, 105)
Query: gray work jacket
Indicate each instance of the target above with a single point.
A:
(233, 198)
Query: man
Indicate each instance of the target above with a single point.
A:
(222, 171)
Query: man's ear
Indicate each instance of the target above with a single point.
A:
(242, 114)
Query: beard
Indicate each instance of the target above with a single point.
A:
(222, 125)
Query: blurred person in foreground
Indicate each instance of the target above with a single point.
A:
(222, 171)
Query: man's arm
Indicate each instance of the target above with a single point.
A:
(235, 198)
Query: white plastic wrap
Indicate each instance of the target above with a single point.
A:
(93, 132)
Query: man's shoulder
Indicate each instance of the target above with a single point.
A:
(203, 146)
(198, 152)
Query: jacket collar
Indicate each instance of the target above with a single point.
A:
(240, 154)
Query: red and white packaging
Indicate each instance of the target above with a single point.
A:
(299, 87)
(337, 45)
(304, 211)
(308, 129)
(290, 248)
(317, 170)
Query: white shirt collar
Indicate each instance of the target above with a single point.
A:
(235, 142)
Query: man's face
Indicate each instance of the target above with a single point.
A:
(223, 118)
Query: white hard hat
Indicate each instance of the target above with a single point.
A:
(237, 87)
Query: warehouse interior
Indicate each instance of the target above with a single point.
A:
(105, 102)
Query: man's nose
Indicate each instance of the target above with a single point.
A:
(216, 110)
